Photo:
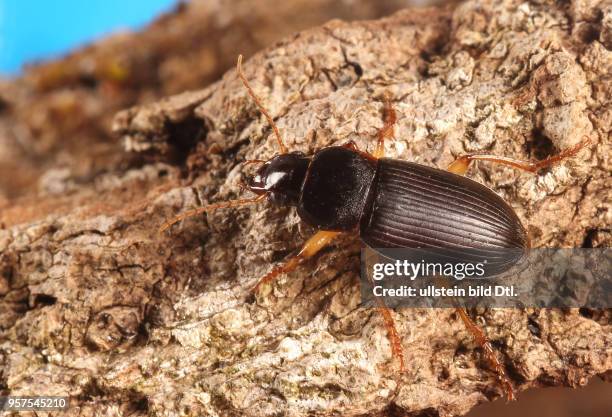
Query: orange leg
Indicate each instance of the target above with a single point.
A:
(397, 350)
(389, 118)
(462, 163)
(489, 352)
(353, 146)
(317, 242)
(460, 167)
(396, 343)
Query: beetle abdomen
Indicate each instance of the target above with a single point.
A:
(416, 206)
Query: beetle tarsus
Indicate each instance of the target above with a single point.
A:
(483, 341)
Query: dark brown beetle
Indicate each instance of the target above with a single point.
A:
(390, 203)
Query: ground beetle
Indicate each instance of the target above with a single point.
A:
(342, 189)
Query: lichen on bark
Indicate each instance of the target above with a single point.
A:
(99, 306)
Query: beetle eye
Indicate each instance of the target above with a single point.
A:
(255, 182)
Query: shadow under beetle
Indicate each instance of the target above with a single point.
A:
(389, 203)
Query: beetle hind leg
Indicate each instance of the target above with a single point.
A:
(460, 165)
(397, 351)
(483, 341)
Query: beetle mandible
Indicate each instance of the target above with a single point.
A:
(341, 189)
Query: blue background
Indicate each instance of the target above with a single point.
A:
(32, 30)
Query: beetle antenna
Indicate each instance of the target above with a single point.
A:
(211, 207)
(257, 100)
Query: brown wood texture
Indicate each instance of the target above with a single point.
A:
(97, 305)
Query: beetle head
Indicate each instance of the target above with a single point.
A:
(281, 178)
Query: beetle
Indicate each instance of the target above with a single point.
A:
(388, 203)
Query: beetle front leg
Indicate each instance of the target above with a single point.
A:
(460, 165)
(313, 245)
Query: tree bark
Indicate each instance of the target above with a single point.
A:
(97, 305)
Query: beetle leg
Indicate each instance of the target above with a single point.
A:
(396, 343)
(317, 242)
(462, 163)
(397, 350)
(389, 118)
(353, 147)
(489, 352)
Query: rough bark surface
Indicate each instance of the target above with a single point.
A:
(99, 306)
